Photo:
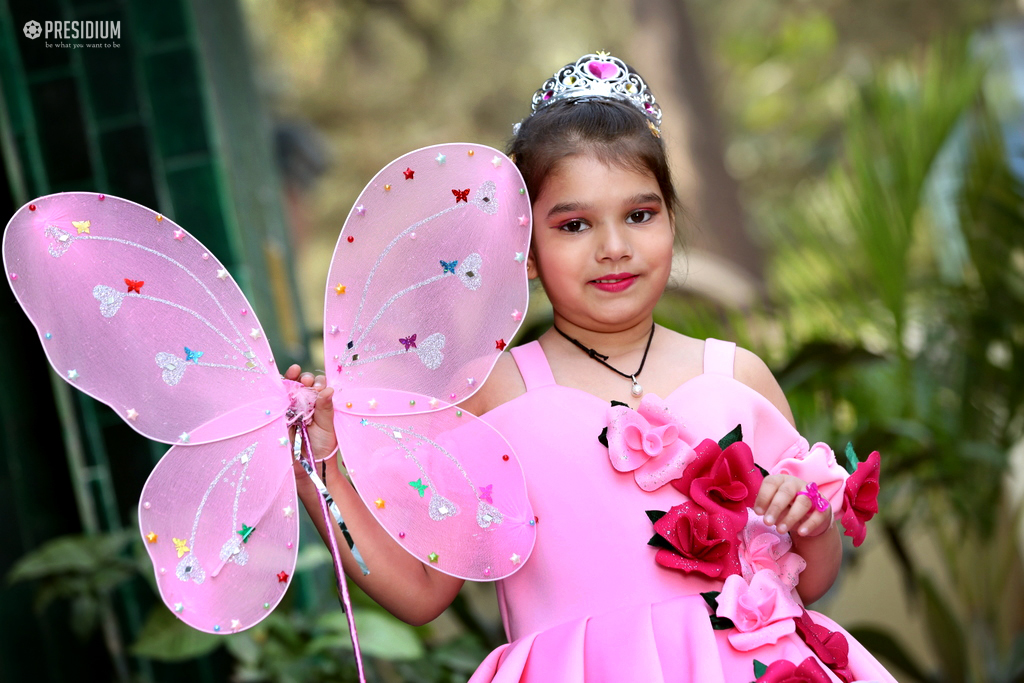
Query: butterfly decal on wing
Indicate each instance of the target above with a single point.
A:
(180, 356)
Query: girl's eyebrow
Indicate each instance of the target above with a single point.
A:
(645, 198)
(568, 207)
(572, 207)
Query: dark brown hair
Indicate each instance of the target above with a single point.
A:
(612, 131)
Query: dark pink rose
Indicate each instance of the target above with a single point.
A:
(782, 671)
(725, 483)
(687, 527)
(860, 498)
(829, 646)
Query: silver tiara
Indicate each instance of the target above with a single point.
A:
(599, 75)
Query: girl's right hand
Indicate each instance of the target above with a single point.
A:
(322, 439)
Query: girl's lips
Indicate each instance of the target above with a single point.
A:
(616, 282)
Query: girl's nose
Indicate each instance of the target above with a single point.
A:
(614, 243)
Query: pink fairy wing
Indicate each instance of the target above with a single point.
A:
(425, 287)
(134, 311)
(445, 484)
(220, 523)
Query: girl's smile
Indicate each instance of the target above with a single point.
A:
(602, 243)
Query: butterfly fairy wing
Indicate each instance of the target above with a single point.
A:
(427, 285)
(445, 484)
(425, 288)
(220, 524)
(135, 312)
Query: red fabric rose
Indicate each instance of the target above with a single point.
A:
(860, 498)
(787, 672)
(829, 646)
(725, 483)
(687, 527)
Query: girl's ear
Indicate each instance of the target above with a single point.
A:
(531, 265)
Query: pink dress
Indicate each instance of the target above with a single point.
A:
(591, 604)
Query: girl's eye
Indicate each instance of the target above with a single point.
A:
(575, 225)
(641, 216)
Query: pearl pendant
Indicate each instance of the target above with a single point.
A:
(636, 390)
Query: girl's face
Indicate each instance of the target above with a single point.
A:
(602, 243)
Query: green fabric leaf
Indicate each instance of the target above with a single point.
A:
(603, 437)
(655, 515)
(731, 438)
(759, 669)
(659, 542)
(851, 459)
(717, 623)
(764, 472)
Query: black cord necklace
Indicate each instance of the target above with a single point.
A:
(636, 390)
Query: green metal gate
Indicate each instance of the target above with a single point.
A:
(166, 116)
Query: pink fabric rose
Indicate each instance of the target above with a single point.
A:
(782, 671)
(687, 527)
(763, 548)
(829, 646)
(815, 464)
(648, 441)
(725, 483)
(762, 611)
(860, 498)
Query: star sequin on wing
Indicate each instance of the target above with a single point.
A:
(520, 257)
(184, 437)
(360, 210)
(372, 403)
(524, 220)
(288, 511)
(515, 558)
(432, 557)
(181, 545)
(440, 158)
(500, 344)
(408, 173)
(496, 161)
(254, 333)
(245, 532)
(419, 486)
(379, 503)
(283, 441)
(132, 414)
(222, 273)
(72, 374)
(282, 576)
(179, 234)
(364, 422)
(151, 537)
(82, 226)
(517, 315)
(339, 288)
(433, 402)
(235, 624)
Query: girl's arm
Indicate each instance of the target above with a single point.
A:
(399, 582)
(815, 537)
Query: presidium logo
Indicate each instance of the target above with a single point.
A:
(75, 34)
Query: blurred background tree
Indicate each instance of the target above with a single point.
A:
(851, 179)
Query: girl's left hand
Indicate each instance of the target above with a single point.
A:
(779, 502)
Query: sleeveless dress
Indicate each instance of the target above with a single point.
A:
(591, 604)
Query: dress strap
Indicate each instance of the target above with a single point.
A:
(533, 365)
(719, 357)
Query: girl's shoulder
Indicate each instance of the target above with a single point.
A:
(753, 372)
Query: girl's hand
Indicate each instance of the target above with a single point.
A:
(779, 502)
(322, 439)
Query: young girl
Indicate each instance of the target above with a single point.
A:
(719, 598)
